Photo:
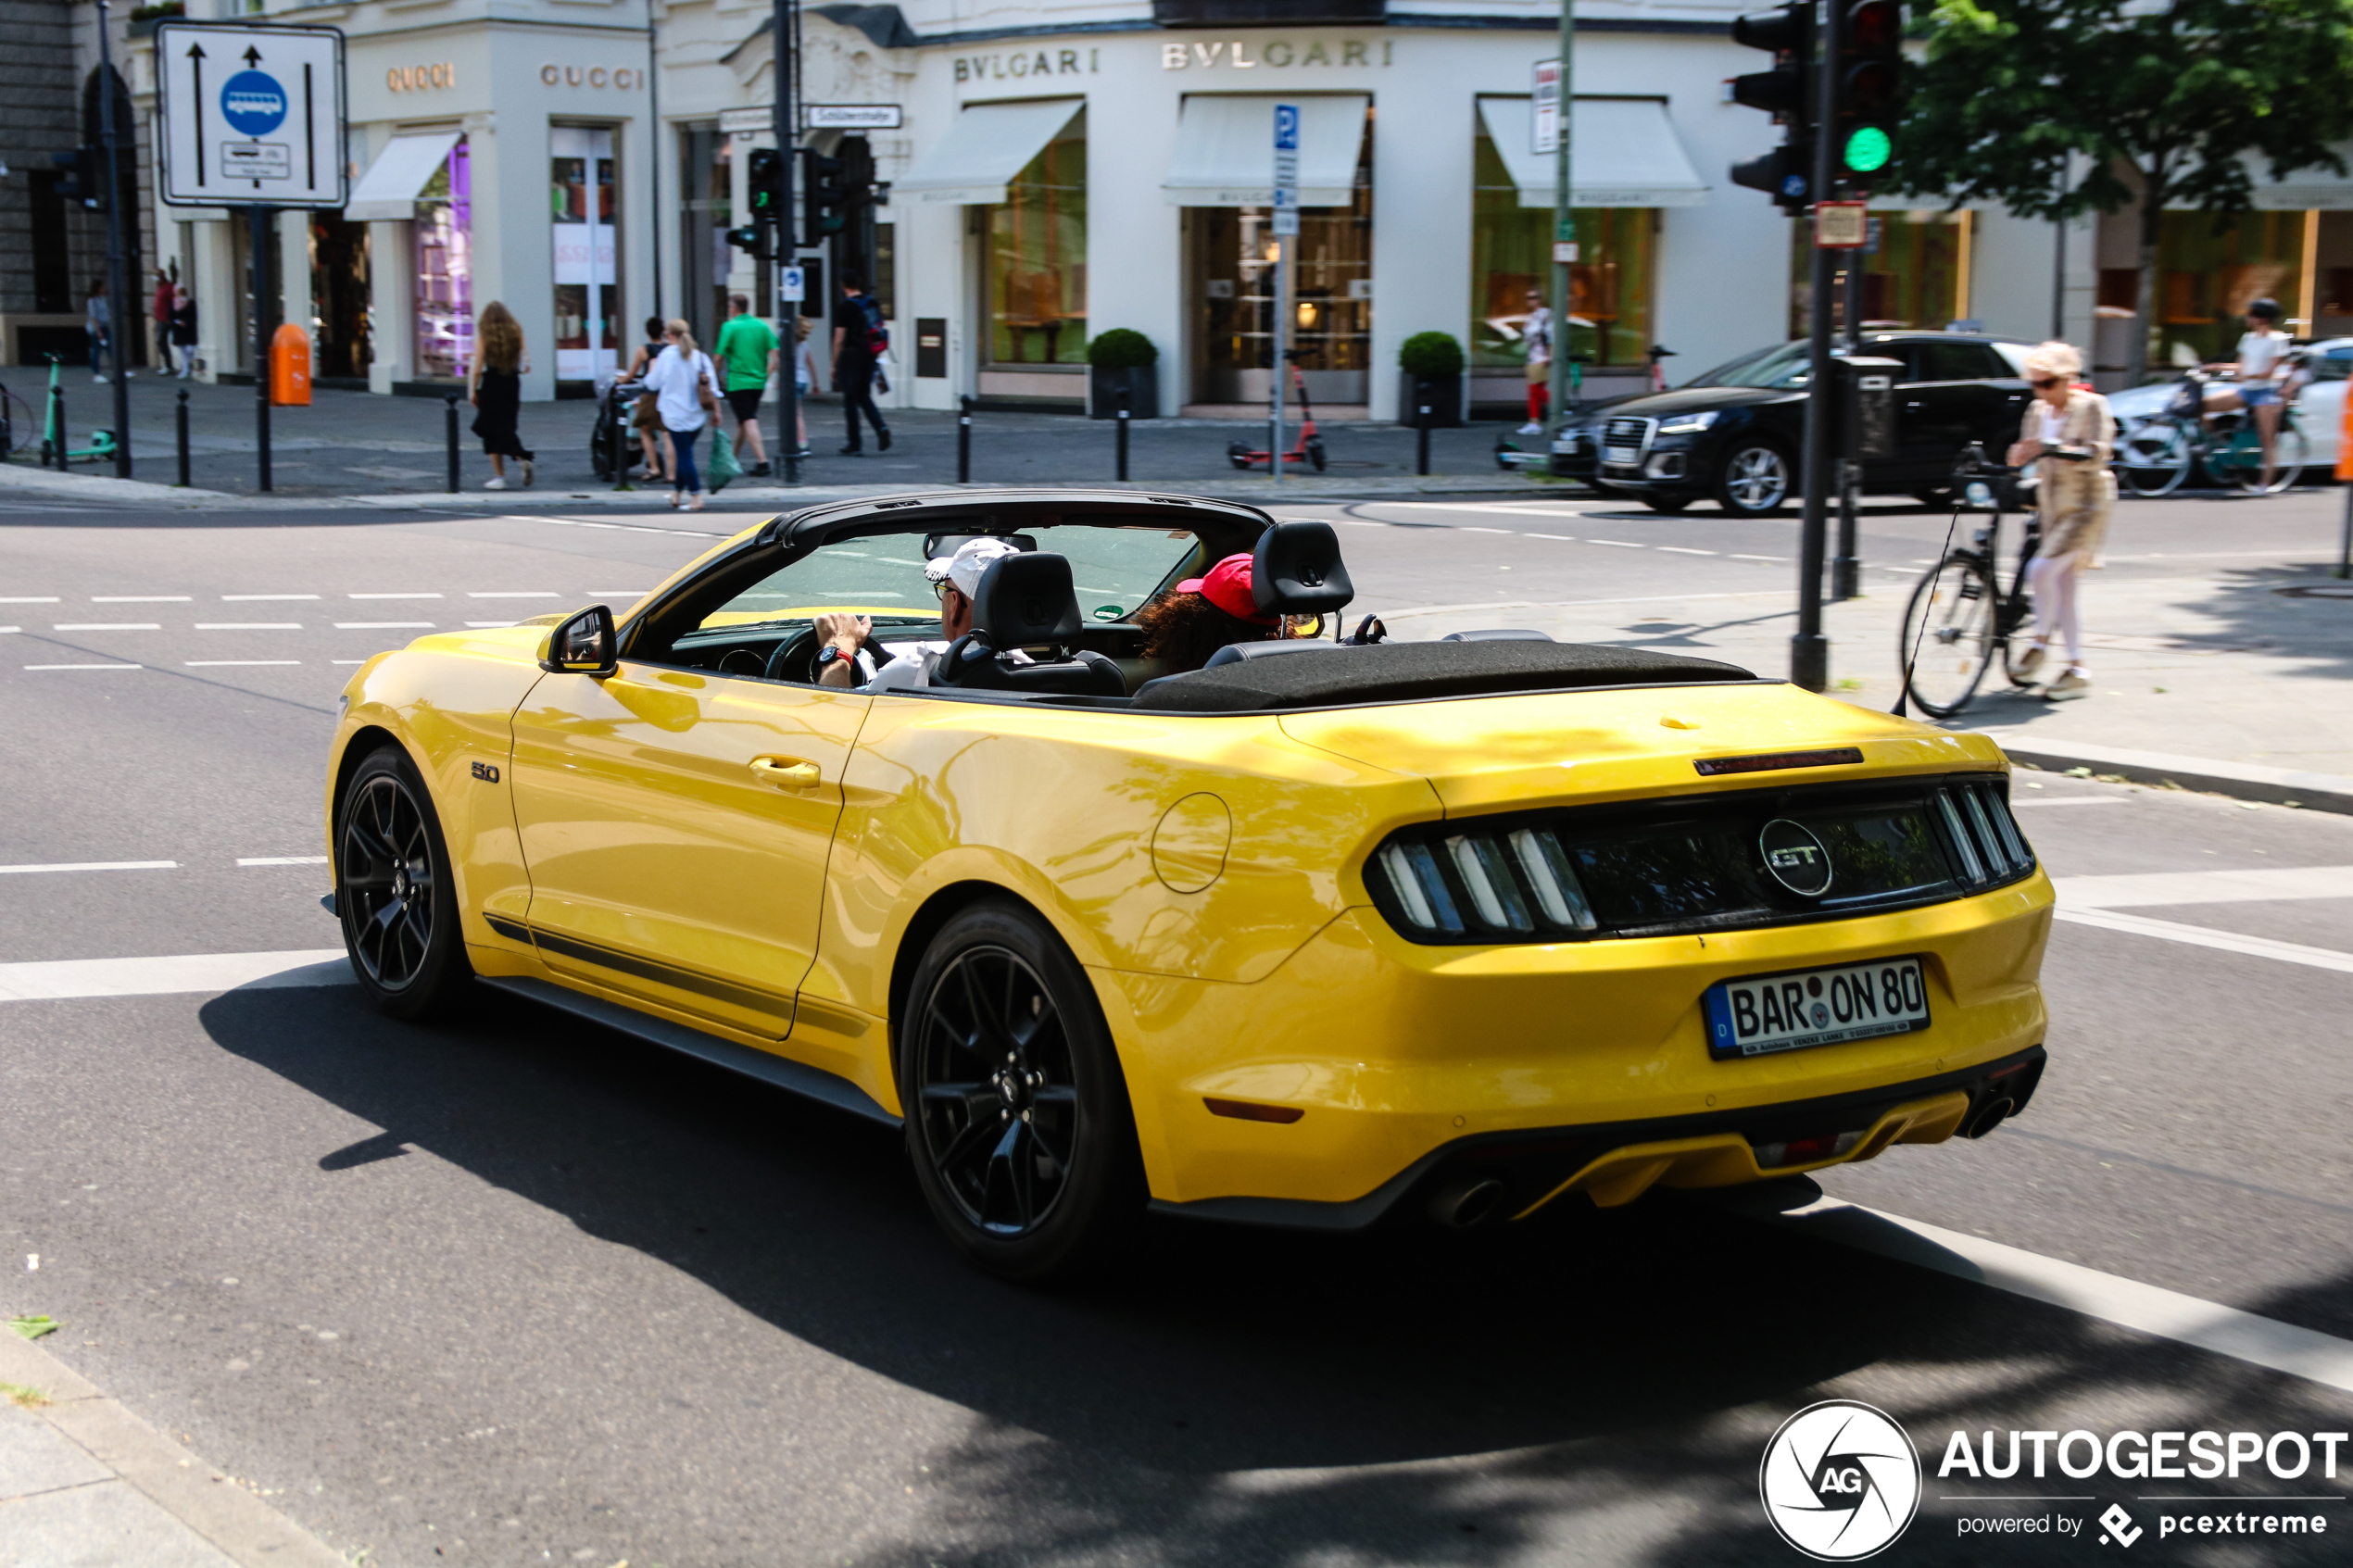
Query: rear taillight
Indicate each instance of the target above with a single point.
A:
(1984, 836)
(1512, 883)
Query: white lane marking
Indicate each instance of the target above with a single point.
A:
(262, 599)
(2199, 936)
(1685, 550)
(248, 625)
(2260, 884)
(1775, 558)
(1468, 528)
(2079, 800)
(95, 866)
(1618, 544)
(486, 623)
(5, 630)
(2186, 1319)
(1576, 604)
(66, 979)
(86, 667)
(382, 625)
(1567, 538)
(231, 664)
(624, 527)
(392, 595)
(347, 661)
(526, 594)
(106, 626)
(1492, 509)
(34, 599)
(283, 860)
(138, 598)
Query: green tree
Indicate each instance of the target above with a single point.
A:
(2173, 101)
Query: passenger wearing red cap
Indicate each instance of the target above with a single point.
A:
(1203, 614)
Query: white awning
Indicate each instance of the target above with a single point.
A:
(1225, 150)
(1626, 154)
(988, 146)
(389, 188)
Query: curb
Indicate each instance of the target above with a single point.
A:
(240, 1525)
(105, 487)
(2241, 781)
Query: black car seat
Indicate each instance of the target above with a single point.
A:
(1296, 570)
(1028, 602)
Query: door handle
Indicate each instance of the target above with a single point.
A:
(786, 772)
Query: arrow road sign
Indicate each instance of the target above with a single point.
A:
(255, 139)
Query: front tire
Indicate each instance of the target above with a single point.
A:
(1948, 635)
(2153, 460)
(1754, 480)
(1018, 1120)
(395, 894)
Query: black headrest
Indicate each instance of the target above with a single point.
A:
(1026, 599)
(1296, 571)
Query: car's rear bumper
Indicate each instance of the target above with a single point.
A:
(1365, 1063)
(1511, 1175)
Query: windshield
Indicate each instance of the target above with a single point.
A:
(1782, 366)
(1114, 568)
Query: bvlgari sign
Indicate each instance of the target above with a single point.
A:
(1266, 13)
(1248, 54)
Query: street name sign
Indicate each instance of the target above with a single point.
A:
(851, 116)
(252, 116)
(1842, 225)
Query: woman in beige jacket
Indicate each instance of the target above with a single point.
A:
(2073, 434)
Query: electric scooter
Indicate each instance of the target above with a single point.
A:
(101, 445)
(1306, 447)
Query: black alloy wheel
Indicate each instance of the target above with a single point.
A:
(1755, 479)
(1017, 1115)
(393, 892)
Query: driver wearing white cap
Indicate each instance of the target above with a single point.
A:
(846, 656)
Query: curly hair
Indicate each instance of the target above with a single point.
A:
(500, 336)
(1183, 630)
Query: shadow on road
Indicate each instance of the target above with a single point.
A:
(1614, 1375)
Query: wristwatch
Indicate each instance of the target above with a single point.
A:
(828, 654)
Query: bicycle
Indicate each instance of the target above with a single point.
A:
(2155, 457)
(1959, 617)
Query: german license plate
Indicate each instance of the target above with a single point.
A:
(1623, 457)
(1765, 1013)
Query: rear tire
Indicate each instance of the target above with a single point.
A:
(1315, 453)
(394, 894)
(1948, 635)
(1018, 1119)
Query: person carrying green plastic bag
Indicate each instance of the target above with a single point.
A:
(723, 466)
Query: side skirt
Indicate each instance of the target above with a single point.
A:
(798, 1077)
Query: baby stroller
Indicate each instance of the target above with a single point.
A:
(613, 448)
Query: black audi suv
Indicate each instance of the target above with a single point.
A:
(1735, 434)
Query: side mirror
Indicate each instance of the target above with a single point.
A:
(586, 644)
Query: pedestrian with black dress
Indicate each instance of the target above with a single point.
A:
(647, 421)
(501, 363)
(858, 341)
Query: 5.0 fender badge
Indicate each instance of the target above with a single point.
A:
(1799, 861)
(486, 772)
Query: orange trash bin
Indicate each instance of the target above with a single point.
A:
(290, 368)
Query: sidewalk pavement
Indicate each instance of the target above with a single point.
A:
(86, 1484)
(394, 451)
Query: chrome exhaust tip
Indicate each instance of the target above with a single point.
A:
(1992, 1115)
(1467, 1202)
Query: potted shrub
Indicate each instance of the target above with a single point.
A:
(1431, 361)
(1122, 360)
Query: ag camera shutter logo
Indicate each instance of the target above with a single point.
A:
(1840, 1480)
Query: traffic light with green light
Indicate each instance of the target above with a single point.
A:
(1870, 86)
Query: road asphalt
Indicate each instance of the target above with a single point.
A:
(518, 1290)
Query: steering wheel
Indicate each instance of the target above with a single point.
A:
(795, 659)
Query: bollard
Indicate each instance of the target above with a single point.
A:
(57, 424)
(1421, 427)
(620, 444)
(1123, 433)
(963, 441)
(2345, 546)
(452, 436)
(181, 420)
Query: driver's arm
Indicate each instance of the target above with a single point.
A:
(847, 633)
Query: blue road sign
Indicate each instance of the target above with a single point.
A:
(1286, 128)
(253, 103)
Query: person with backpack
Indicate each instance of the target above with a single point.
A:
(860, 340)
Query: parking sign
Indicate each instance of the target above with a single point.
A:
(1285, 168)
(252, 116)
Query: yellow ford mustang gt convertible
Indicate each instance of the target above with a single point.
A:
(1325, 932)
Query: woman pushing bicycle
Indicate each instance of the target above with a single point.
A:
(2068, 429)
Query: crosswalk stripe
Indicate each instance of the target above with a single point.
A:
(94, 866)
(2258, 885)
(68, 979)
(2201, 936)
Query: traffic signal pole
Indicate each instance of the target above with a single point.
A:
(784, 73)
(1563, 215)
(1809, 651)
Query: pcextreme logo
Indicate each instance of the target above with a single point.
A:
(1840, 1480)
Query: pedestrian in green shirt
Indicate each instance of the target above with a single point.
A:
(747, 352)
